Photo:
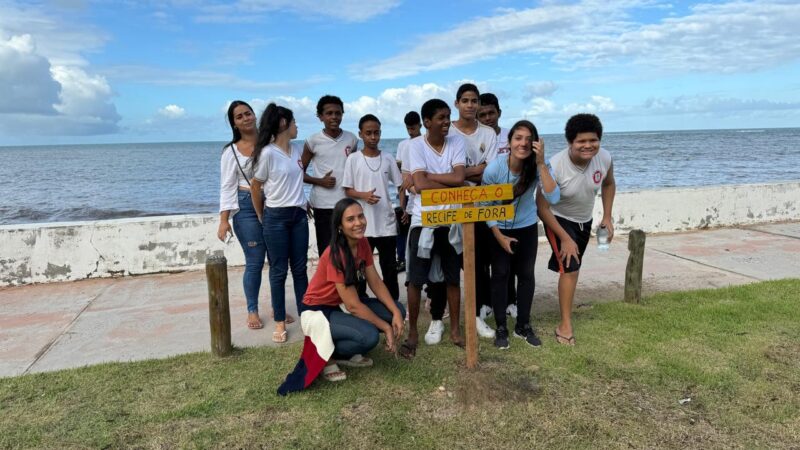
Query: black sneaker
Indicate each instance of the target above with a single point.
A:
(501, 338)
(528, 334)
(400, 266)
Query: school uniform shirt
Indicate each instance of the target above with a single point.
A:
(502, 142)
(330, 154)
(231, 177)
(322, 287)
(402, 157)
(480, 146)
(525, 211)
(579, 185)
(282, 175)
(422, 157)
(365, 173)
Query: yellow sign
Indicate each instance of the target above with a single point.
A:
(466, 215)
(467, 194)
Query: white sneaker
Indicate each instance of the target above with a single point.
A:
(512, 311)
(484, 330)
(434, 334)
(486, 311)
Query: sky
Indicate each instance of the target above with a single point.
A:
(103, 71)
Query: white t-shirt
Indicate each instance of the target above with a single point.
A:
(282, 176)
(422, 157)
(329, 154)
(364, 173)
(579, 186)
(402, 156)
(480, 146)
(231, 178)
(502, 142)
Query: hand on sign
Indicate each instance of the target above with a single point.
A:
(371, 198)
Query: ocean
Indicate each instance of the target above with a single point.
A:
(91, 182)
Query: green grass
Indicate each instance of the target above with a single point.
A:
(735, 352)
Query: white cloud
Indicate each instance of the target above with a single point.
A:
(598, 104)
(26, 85)
(169, 77)
(254, 11)
(717, 38)
(172, 112)
(540, 89)
(538, 107)
(392, 104)
(39, 96)
(701, 104)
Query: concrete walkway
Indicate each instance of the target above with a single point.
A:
(61, 325)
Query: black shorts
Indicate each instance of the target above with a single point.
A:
(579, 232)
(418, 268)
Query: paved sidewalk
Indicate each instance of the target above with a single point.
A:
(61, 325)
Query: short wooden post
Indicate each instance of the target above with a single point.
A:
(633, 271)
(219, 315)
(470, 327)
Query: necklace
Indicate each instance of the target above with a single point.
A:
(380, 161)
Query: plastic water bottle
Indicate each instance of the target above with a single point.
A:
(602, 238)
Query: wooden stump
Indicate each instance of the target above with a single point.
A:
(219, 315)
(633, 271)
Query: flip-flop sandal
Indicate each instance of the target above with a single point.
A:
(356, 361)
(333, 373)
(560, 339)
(407, 350)
(279, 337)
(255, 325)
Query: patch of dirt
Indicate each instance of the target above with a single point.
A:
(786, 353)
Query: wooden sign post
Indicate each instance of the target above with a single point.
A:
(468, 216)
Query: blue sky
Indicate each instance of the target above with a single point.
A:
(83, 71)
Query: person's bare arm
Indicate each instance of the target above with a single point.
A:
(256, 197)
(569, 249)
(608, 191)
(326, 181)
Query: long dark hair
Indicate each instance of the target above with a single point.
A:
(269, 126)
(528, 175)
(341, 256)
(237, 135)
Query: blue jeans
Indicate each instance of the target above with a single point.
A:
(250, 235)
(354, 336)
(286, 236)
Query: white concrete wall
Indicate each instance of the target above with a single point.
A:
(39, 253)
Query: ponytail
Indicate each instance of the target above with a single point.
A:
(270, 126)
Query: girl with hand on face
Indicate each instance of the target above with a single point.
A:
(279, 172)
(236, 174)
(513, 251)
(355, 324)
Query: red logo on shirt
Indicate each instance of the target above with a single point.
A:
(347, 151)
(596, 177)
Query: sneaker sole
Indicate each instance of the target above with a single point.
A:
(526, 340)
